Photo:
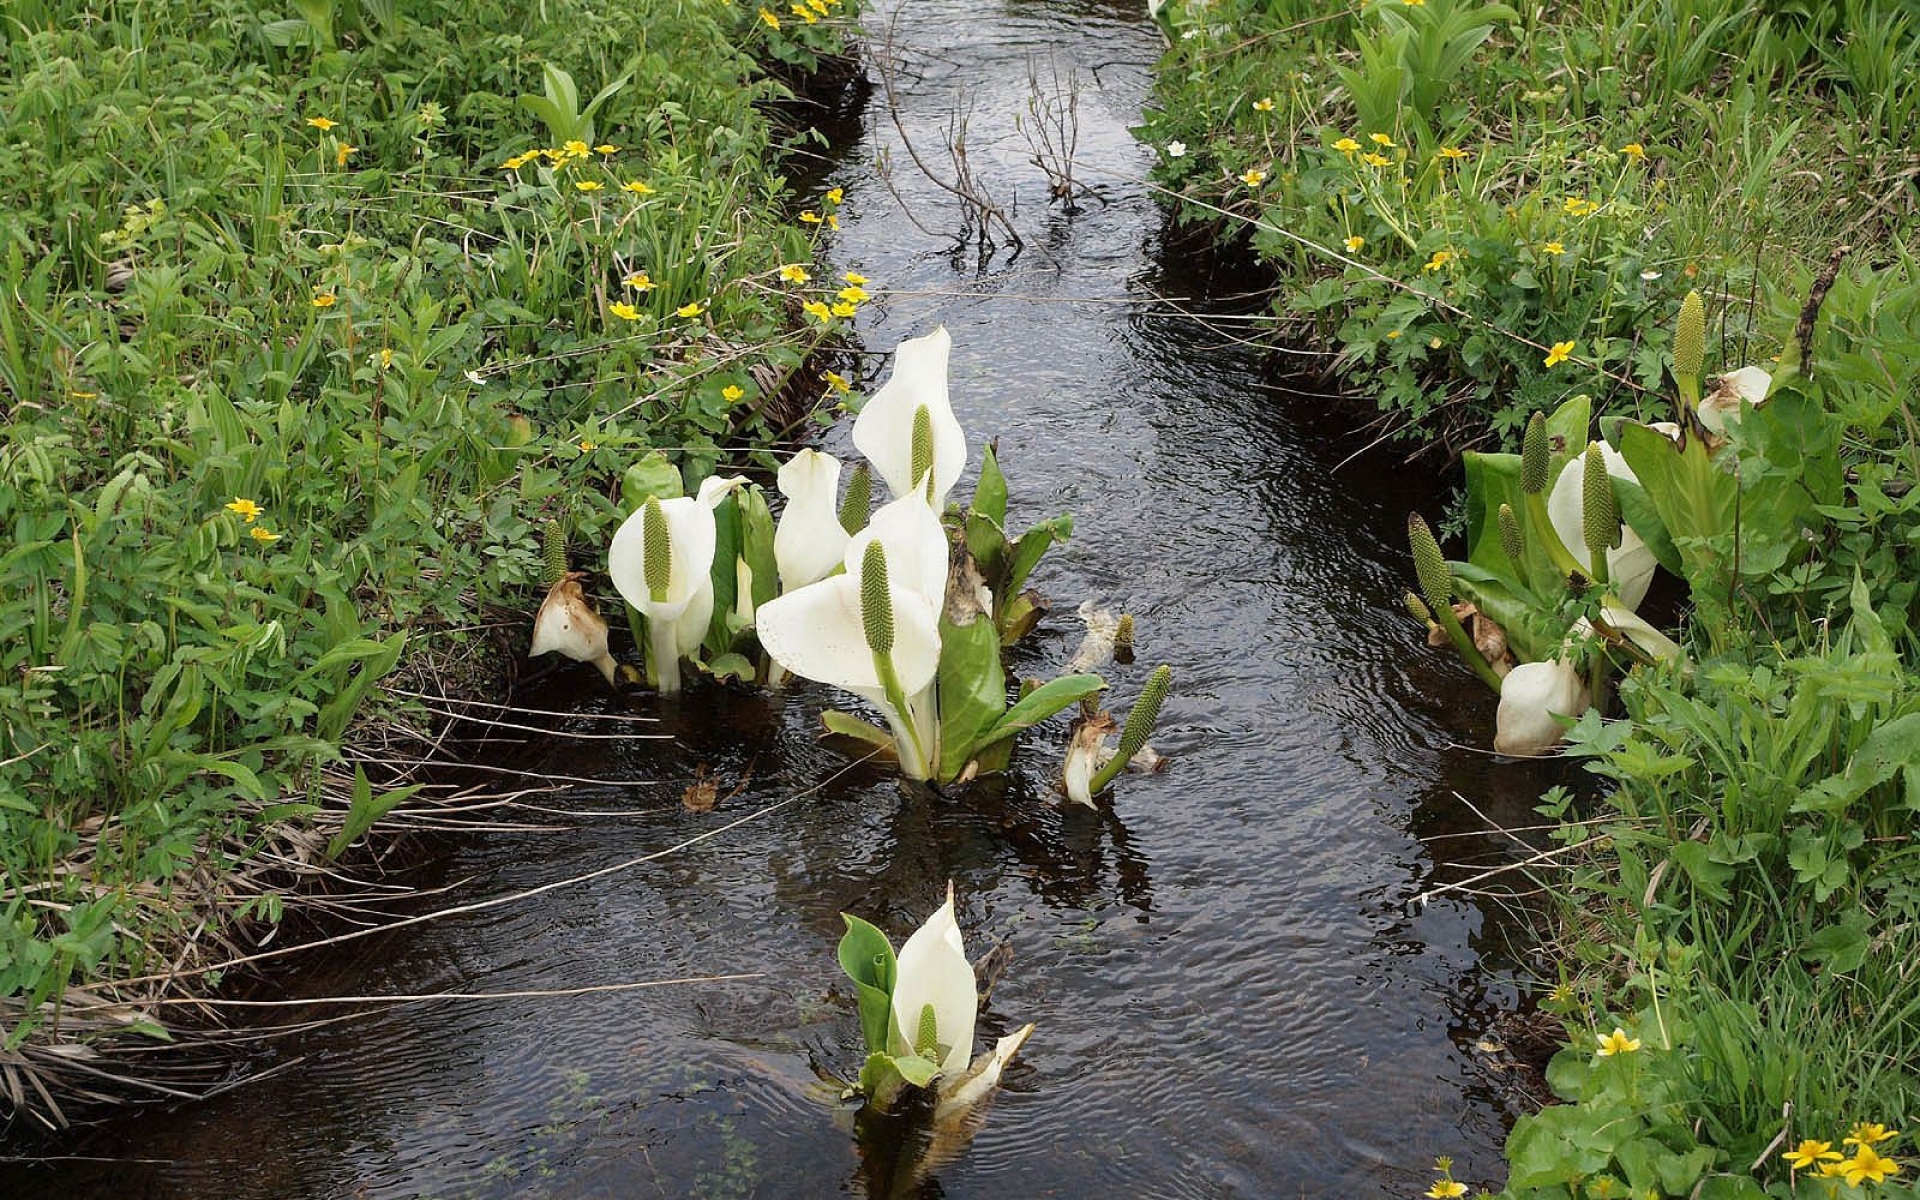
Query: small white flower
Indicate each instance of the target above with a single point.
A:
(1189, 35)
(1176, 149)
(1649, 276)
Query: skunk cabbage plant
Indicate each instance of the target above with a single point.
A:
(567, 624)
(1564, 538)
(917, 1012)
(661, 561)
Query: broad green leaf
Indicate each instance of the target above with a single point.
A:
(654, 475)
(1027, 552)
(1041, 703)
(1694, 498)
(973, 690)
(756, 543)
(867, 957)
(867, 738)
(990, 494)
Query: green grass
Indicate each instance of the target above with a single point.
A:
(407, 357)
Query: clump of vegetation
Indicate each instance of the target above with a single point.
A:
(1487, 208)
(313, 322)
(1742, 916)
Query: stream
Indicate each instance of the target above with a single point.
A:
(1237, 989)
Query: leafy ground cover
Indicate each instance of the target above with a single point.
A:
(1486, 210)
(314, 320)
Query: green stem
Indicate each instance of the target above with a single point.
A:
(663, 656)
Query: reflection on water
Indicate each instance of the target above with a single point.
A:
(1236, 989)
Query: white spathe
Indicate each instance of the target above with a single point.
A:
(1630, 565)
(1629, 625)
(818, 632)
(1531, 695)
(884, 430)
(808, 541)
(677, 620)
(567, 624)
(932, 968)
(1748, 385)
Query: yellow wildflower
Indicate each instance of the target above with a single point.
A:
(636, 187)
(1254, 177)
(260, 534)
(516, 162)
(794, 273)
(844, 309)
(1617, 1040)
(575, 149)
(1381, 140)
(1865, 1165)
(1376, 160)
(1810, 1153)
(623, 310)
(324, 299)
(805, 14)
(1354, 243)
(321, 123)
(1452, 152)
(1577, 207)
(853, 293)
(1263, 104)
(733, 393)
(854, 277)
(245, 509)
(639, 281)
(809, 217)
(769, 20)
(690, 310)
(1869, 1133)
(838, 382)
(833, 222)
(1634, 151)
(586, 185)
(1440, 259)
(1554, 248)
(386, 357)
(818, 312)
(836, 195)
(588, 445)
(1346, 145)
(342, 152)
(606, 148)
(1446, 1189)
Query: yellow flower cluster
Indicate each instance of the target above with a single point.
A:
(810, 12)
(846, 301)
(1867, 1164)
(249, 511)
(571, 154)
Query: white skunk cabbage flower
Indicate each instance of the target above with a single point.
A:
(567, 624)
(808, 542)
(661, 561)
(935, 996)
(875, 630)
(1718, 407)
(1531, 696)
(908, 430)
(1629, 565)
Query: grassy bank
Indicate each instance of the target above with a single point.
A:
(1487, 210)
(1456, 193)
(313, 319)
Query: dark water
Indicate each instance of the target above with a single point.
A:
(1233, 992)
